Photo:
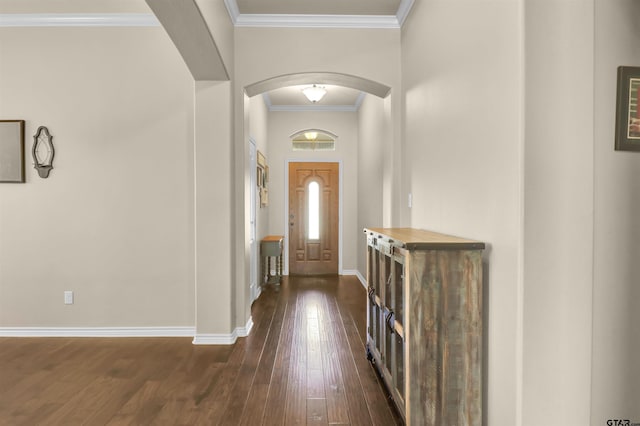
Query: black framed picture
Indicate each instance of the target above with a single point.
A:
(627, 111)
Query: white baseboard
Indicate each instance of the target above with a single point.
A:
(97, 331)
(362, 279)
(199, 339)
(357, 273)
(224, 339)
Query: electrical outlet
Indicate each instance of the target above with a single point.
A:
(410, 203)
(68, 297)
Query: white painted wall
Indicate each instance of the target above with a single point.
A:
(343, 124)
(557, 308)
(213, 223)
(114, 221)
(217, 19)
(615, 388)
(372, 136)
(259, 125)
(462, 102)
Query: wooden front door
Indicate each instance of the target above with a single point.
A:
(313, 218)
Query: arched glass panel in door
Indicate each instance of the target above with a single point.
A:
(313, 211)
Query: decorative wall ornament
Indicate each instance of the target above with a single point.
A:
(43, 152)
(262, 173)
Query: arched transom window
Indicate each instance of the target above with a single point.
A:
(313, 140)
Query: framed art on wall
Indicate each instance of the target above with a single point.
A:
(627, 111)
(262, 161)
(12, 151)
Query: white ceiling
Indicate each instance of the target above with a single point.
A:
(337, 98)
(319, 7)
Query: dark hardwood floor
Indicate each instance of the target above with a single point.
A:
(303, 363)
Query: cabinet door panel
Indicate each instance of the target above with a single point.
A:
(398, 289)
(399, 365)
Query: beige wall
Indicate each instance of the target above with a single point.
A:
(343, 124)
(462, 100)
(114, 221)
(217, 18)
(364, 53)
(616, 336)
(555, 270)
(213, 223)
(372, 136)
(259, 131)
(557, 307)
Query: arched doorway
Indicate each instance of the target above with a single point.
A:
(244, 260)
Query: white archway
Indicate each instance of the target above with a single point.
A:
(338, 79)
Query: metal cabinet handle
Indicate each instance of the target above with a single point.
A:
(390, 320)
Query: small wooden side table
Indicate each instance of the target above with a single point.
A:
(271, 246)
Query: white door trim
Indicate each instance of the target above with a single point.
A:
(254, 256)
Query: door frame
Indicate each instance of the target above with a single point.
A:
(254, 255)
(286, 207)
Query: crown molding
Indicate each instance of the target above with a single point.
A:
(360, 99)
(78, 20)
(313, 108)
(403, 11)
(232, 8)
(317, 21)
(267, 100)
(238, 19)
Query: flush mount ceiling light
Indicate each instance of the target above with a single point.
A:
(314, 93)
(311, 136)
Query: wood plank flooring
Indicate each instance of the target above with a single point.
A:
(303, 363)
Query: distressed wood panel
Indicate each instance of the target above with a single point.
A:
(446, 345)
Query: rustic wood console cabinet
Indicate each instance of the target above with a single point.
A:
(424, 323)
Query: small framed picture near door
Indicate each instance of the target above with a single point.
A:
(627, 111)
(12, 151)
